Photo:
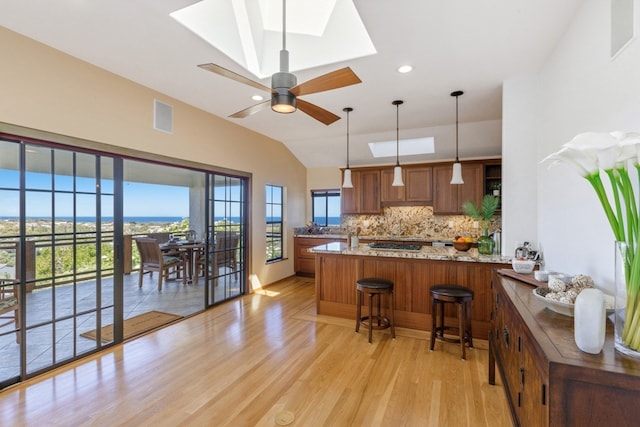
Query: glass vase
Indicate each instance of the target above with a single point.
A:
(627, 302)
(485, 244)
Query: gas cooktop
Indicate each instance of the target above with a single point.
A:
(396, 246)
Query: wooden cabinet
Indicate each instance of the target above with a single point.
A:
(416, 191)
(424, 185)
(388, 193)
(547, 379)
(493, 179)
(336, 275)
(364, 197)
(419, 185)
(304, 262)
(448, 198)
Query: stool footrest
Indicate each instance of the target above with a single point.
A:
(382, 322)
(451, 330)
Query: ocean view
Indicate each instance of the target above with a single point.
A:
(130, 219)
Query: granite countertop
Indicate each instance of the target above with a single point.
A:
(375, 238)
(427, 252)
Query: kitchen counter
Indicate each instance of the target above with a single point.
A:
(389, 238)
(426, 252)
(338, 267)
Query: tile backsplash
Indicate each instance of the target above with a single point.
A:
(414, 221)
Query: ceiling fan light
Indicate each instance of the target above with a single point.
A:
(346, 183)
(456, 176)
(283, 103)
(397, 177)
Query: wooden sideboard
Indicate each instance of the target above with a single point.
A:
(547, 379)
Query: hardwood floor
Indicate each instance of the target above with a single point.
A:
(245, 362)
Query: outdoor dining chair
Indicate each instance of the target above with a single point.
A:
(9, 305)
(153, 259)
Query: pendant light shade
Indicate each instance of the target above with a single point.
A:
(347, 172)
(347, 179)
(397, 171)
(456, 176)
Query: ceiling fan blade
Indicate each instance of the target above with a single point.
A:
(318, 113)
(234, 76)
(251, 110)
(333, 80)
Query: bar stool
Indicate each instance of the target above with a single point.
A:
(373, 286)
(451, 294)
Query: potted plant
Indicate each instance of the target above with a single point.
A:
(495, 188)
(484, 214)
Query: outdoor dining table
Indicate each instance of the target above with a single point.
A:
(190, 249)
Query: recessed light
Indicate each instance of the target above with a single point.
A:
(405, 69)
(257, 98)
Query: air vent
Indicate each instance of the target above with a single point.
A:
(162, 116)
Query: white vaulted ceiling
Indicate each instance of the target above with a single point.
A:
(468, 45)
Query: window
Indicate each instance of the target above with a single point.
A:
(325, 205)
(275, 205)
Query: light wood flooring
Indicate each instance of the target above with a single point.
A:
(257, 360)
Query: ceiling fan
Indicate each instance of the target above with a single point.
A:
(284, 88)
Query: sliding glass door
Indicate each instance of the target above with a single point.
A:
(57, 241)
(70, 275)
(226, 237)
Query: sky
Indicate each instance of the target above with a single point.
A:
(140, 199)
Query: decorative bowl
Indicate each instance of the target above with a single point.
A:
(567, 308)
(461, 246)
(523, 266)
(541, 275)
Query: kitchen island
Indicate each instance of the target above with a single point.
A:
(413, 273)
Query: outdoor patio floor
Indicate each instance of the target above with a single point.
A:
(175, 298)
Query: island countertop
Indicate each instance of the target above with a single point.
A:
(338, 267)
(426, 252)
(391, 238)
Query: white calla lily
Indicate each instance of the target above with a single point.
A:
(582, 162)
(597, 154)
(631, 142)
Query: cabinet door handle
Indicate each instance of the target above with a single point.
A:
(505, 336)
(522, 377)
(544, 394)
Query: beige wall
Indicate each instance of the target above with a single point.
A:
(47, 90)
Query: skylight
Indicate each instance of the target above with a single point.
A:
(407, 147)
(250, 32)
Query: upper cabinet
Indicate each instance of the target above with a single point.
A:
(424, 185)
(419, 184)
(448, 198)
(364, 197)
(417, 188)
(493, 180)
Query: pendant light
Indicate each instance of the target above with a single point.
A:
(347, 172)
(456, 176)
(397, 171)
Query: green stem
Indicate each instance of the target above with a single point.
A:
(616, 189)
(596, 182)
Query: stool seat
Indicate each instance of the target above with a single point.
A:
(452, 291)
(375, 283)
(451, 294)
(372, 286)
